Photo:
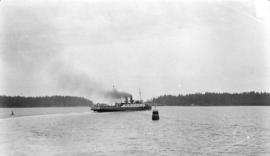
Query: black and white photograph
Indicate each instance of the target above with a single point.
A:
(134, 77)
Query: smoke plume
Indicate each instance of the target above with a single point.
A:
(115, 94)
(80, 83)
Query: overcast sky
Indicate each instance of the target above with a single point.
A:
(71, 47)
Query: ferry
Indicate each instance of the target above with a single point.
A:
(128, 105)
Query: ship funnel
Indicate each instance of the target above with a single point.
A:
(126, 99)
(131, 99)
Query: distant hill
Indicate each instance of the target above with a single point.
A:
(215, 99)
(45, 101)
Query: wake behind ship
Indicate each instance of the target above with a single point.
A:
(128, 105)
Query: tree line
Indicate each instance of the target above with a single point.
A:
(215, 99)
(44, 101)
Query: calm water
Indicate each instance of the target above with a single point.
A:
(180, 131)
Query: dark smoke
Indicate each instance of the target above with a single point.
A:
(78, 83)
(115, 94)
(74, 81)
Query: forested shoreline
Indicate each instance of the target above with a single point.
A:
(215, 99)
(197, 99)
(44, 101)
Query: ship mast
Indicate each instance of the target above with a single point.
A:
(140, 94)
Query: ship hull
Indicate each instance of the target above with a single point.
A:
(119, 109)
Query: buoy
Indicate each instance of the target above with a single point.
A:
(155, 115)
